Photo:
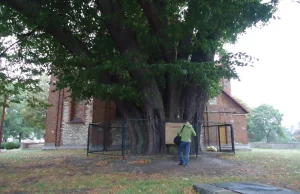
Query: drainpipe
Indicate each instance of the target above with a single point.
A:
(61, 115)
(57, 114)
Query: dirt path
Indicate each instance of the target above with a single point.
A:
(206, 165)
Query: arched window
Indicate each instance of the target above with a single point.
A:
(77, 112)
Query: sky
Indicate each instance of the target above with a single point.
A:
(275, 78)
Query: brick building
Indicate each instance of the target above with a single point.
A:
(225, 109)
(67, 121)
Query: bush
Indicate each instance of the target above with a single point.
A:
(10, 145)
(2, 145)
(17, 145)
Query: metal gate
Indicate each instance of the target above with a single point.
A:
(219, 135)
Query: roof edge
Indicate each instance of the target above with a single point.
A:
(237, 102)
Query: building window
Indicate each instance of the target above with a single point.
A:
(77, 111)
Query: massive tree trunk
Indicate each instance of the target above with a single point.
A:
(146, 122)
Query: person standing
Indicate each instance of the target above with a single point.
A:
(186, 133)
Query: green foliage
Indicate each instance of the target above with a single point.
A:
(13, 122)
(10, 145)
(17, 145)
(265, 123)
(296, 133)
(27, 117)
(3, 146)
(284, 136)
(82, 48)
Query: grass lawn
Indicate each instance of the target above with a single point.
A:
(73, 172)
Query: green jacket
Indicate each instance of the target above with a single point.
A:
(187, 132)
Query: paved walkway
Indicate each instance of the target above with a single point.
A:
(240, 187)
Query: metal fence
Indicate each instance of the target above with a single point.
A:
(138, 136)
(220, 135)
(109, 138)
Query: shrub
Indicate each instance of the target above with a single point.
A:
(2, 145)
(17, 145)
(10, 145)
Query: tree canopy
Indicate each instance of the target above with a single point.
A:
(16, 87)
(96, 46)
(24, 116)
(265, 123)
(153, 58)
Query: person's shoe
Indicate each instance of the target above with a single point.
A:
(180, 164)
(185, 165)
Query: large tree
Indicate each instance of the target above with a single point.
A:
(153, 58)
(15, 88)
(25, 109)
(265, 123)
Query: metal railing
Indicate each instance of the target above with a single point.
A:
(220, 135)
(131, 136)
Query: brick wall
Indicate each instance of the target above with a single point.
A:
(225, 110)
(53, 118)
(240, 129)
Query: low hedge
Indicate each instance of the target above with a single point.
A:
(17, 145)
(3, 145)
(12, 145)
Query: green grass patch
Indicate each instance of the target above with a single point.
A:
(68, 171)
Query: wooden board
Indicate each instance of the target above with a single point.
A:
(171, 132)
(223, 138)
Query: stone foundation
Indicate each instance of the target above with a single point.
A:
(75, 133)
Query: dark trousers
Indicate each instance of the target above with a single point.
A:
(184, 146)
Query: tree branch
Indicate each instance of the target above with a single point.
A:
(123, 37)
(186, 42)
(199, 55)
(158, 22)
(63, 35)
(5, 50)
(23, 36)
(60, 33)
(184, 46)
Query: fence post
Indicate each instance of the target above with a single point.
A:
(196, 138)
(232, 138)
(88, 141)
(219, 138)
(162, 137)
(123, 139)
(104, 135)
